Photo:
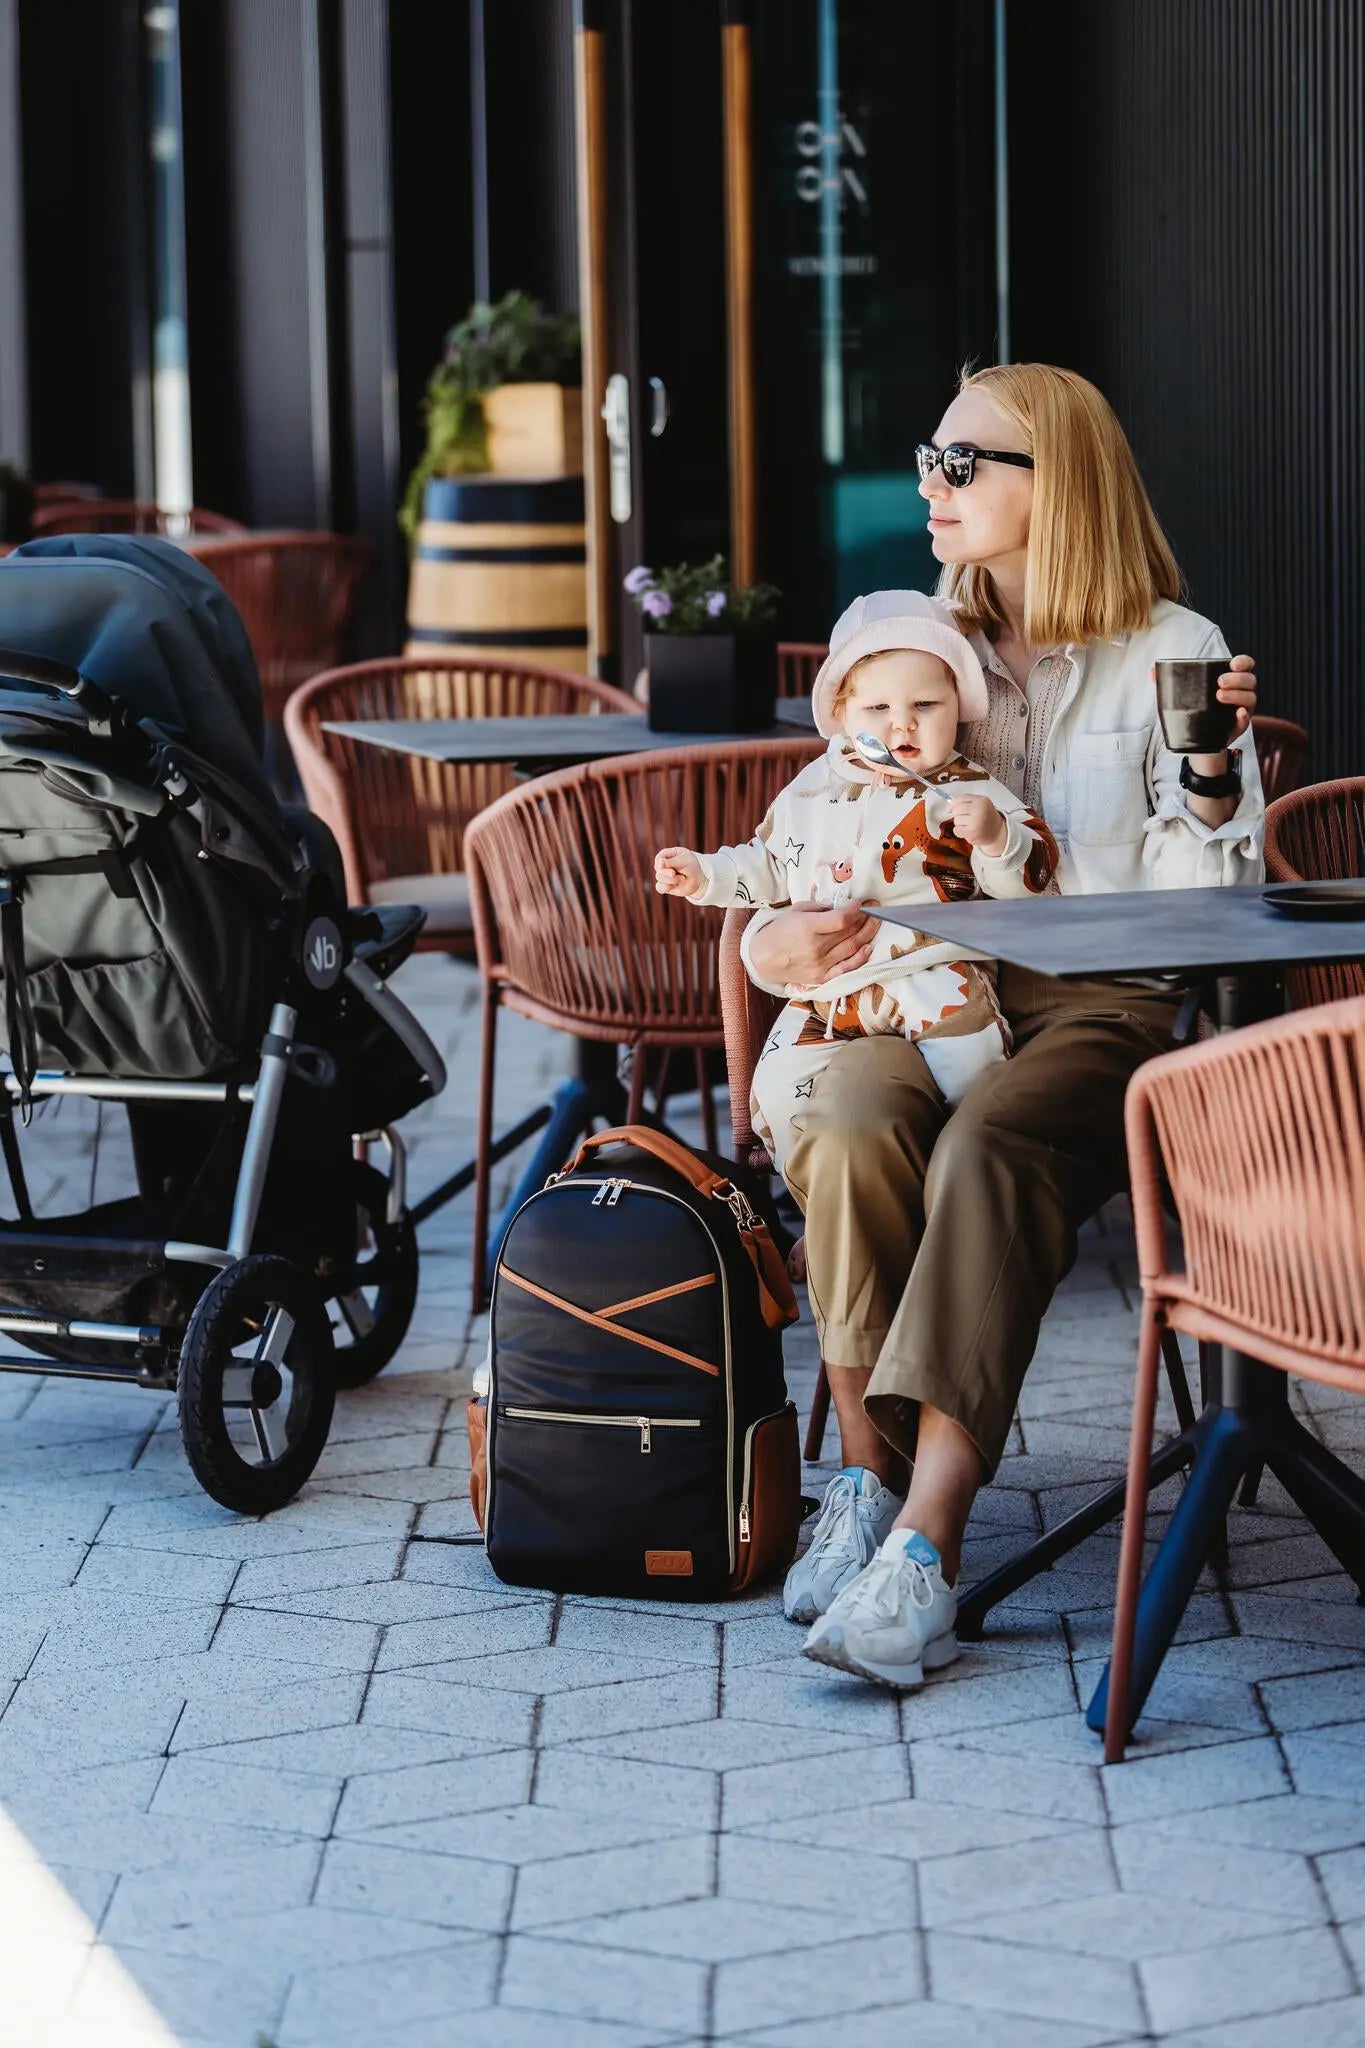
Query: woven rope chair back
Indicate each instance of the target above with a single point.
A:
(747, 1015)
(297, 595)
(1281, 750)
(128, 515)
(797, 664)
(1262, 1133)
(392, 813)
(562, 886)
(1318, 835)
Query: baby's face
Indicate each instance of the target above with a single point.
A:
(908, 700)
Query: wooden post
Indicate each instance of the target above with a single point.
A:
(739, 287)
(590, 112)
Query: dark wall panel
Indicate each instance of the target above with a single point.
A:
(1186, 210)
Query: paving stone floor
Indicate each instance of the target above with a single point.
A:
(321, 1779)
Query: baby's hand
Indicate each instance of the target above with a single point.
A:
(677, 872)
(976, 819)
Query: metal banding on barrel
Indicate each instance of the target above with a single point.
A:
(501, 568)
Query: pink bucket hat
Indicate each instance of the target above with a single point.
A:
(887, 619)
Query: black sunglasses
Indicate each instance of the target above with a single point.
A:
(959, 461)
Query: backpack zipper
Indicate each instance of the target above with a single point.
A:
(644, 1423)
(556, 1184)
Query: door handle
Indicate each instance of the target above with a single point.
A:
(659, 409)
(616, 415)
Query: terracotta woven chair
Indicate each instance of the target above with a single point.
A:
(1262, 1137)
(128, 515)
(400, 822)
(1281, 750)
(1318, 835)
(567, 923)
(54, 494)
(297, 595)
(797, 662)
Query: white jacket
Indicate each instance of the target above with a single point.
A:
(839, 834)
(1111, 792)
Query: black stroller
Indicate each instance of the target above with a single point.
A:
(172, 939)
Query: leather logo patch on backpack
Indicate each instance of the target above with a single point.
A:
(674, 1564)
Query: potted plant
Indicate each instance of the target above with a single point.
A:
(709, 648)
(503, 400)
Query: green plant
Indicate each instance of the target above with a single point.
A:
(513, 342)
(696, 598)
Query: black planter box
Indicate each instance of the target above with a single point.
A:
(710, 682)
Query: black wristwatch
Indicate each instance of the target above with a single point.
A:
(1229, 783)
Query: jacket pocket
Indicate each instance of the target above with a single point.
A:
(770, 1498)
(1106, 791)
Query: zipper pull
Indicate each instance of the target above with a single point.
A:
(745, 1531)
(644, 1434)
(618, 1188)
(602, 1194)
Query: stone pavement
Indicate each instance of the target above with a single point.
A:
(321, 1779)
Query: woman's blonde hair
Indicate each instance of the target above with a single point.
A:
(1097, 557)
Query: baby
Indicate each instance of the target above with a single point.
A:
(934, 828)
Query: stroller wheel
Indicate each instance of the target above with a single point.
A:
(256, 1384)
(371, 1319)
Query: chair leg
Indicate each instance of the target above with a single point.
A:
(483, 1146)
(1251, 1486)
(639, 1066)
(819, 1416)
(708, 1105)
(661, 1084)
(1176, 1380)
(1130, 1554)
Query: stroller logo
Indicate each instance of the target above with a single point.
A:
(322, 952)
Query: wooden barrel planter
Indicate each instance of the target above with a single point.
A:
(501, 570)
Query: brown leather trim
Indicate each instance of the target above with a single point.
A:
(672, 1564)
(600, 1322)
(620, 1308)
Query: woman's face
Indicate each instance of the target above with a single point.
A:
(987, 522)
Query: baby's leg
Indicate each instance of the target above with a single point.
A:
(951, 1013)
(794, 1056)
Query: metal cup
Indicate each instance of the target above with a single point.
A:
(1193, 719)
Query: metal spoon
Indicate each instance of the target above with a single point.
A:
(877, 754)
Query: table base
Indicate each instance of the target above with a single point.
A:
(1247, 1424)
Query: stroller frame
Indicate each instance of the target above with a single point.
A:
(156, 1367)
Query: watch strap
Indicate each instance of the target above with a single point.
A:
(1229, 783)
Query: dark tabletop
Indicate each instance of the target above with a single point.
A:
(1144, 931)
(550, 737)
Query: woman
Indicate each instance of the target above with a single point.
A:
(934, 1241)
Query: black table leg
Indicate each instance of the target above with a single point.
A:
(1039, 1557)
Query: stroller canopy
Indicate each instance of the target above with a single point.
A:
(152, 627)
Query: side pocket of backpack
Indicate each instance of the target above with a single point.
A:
(770, 1501)
(476, 1421)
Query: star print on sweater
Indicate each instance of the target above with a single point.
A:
(793, 853)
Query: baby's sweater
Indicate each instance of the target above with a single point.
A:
(838, 834)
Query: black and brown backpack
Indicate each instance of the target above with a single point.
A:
(639, 1436)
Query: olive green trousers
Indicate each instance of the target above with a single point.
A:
(935, 1238)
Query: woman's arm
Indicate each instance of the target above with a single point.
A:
(804, 946)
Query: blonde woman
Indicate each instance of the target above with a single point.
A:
(935, 1238)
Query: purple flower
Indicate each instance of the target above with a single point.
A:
(715, 603)
(658, 604)
(639, 580)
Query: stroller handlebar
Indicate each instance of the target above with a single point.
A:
(54, 675)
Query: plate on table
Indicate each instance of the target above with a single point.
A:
(1317, 899)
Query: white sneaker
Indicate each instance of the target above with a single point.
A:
(894, 1621)
(858, 1512)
